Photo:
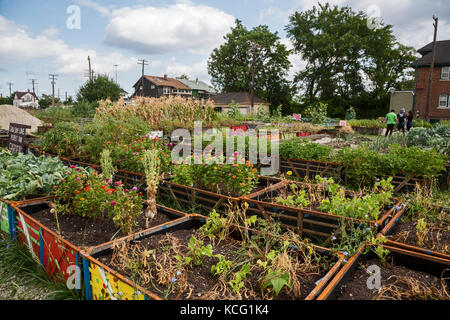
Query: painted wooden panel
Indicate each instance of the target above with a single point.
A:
(4, 218)
(105, 286)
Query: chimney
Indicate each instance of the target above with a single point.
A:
(165, 77)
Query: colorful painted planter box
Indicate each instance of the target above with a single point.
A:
(56, 254)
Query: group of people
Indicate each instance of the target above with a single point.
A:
(403, 121)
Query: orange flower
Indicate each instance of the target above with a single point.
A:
(82, 199)
(78, 192)
(234, 177)
(87, 189)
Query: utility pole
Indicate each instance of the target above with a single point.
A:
(144, 63)
(430, 81)
(9, 84)
(58, 93)
(255, 46)
(116, 65)
(66, 96)
(53, 78)
(91, 75)
(33, 83)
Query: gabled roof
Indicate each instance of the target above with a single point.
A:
(442, 57)
(165, 82)
(243, 98)
(198, 85)
(20, 94)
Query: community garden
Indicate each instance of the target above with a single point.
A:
(99, 203)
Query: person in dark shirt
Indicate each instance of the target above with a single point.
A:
(401, 117)
(409, 124)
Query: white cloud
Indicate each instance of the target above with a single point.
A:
(20, 46)
(274, 13)
(181, 27)
(193, 70)
(104, 11)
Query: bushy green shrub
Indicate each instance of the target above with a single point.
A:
(64, 139)
(299, 148)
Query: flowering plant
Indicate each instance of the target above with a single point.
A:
(88, 194)
(129, 156)
(217, 175)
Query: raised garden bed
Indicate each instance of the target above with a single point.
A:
(309, 169)
(405, 275)
(309, 221)
(429, 236)
(194, 282)
(37, 229)
(206, 200)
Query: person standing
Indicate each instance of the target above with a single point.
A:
(401, 117)
(409, 124)
(391, 118)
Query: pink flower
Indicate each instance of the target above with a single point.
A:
(134, 189)
(113, 203)
(126, 190)
(78, 169)
(72, 166)
(78, 178)
(170, 144)
(117, 183)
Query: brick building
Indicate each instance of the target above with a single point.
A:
(439, 107)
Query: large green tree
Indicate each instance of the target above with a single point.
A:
(230, 65)
(98, 88)
(349, 61)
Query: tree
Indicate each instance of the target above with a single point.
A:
(6, 100)
(230, 65)
(46, 101)
(99, 88)
(347, 60)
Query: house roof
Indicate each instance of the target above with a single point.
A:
(197, 85)
(20, 94)
(243, 98)
(165, 82)
(442, 57)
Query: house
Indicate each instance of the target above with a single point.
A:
(402, 99)
(152, 86)
(243, 99)
(439, 107)
(199, 88)
(26, 99)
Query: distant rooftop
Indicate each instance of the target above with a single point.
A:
(442, 57)
(198, 85)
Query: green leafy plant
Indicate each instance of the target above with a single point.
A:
(299, 148)
(24, 175)
(197, 251)
(222, 267)
(237, 283)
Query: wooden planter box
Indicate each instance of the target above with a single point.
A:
(5, 215)
(309, 169)
(53, 252)
(303, 221)
(206, 200)
(409, 259)
(104, 283)
(389, 228)
(366, 130)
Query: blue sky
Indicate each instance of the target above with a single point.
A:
(175, 36)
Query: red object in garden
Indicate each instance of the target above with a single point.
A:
(303, 134)
(235, 128)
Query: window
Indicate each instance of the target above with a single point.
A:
(444, 101)
(445, 73)
(153, 86)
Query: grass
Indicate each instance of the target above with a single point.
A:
(22, 278)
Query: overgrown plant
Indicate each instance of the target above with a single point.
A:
(151, 164)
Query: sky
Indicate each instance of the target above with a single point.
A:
(42, 37)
